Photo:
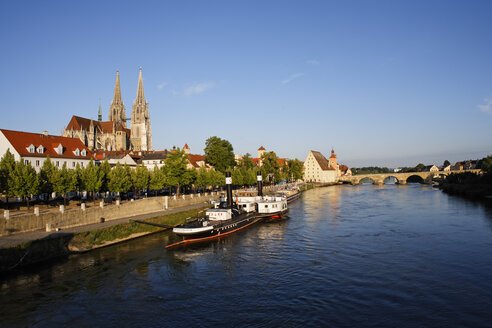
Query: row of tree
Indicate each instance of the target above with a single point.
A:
(20, 179)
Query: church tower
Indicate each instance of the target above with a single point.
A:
(117, 109)
(141, 136)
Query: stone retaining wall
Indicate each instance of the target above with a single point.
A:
(96, 214)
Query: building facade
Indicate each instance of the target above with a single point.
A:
(319, 169)
(113, 135)
(34, 148)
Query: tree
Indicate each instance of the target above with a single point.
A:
(7, 165)
(202, 178)
(247, 162)
(104, 170)
(175, 168)
(64, 181)
(24, 180)
(486, 164)
(219, 153)
(296, 169)
(141, 178)
(237, 177)
(446, 163)
(119, 180)
(92, 179)
(78, 176)
(46, 176)
(217, 178)
(157, 179)
(271, 166)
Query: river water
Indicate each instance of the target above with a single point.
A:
(347, 256)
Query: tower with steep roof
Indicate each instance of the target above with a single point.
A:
(141, 136)
(117, 109)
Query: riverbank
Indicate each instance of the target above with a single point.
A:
(64, 243)
(468, 185)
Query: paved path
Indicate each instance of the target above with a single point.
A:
(20, 238)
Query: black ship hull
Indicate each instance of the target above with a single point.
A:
(220, 229)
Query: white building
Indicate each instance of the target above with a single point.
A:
(33, 148)
(318, 169)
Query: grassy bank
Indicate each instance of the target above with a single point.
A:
(45, 249)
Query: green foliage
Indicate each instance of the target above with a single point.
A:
(271, 167)
(202, 178)
(7, 165)
(247, 162)
(64, 181)
(24, 180)
(446, 163)
(219, 153)
(119, 180)
(175, 169)
(217, 178)
(78, 176)
(419, 168)
(104, 171)
(486, 164)
(157, 179)
(46, 176)
(141, 178)
(91, 178)
(295, 169)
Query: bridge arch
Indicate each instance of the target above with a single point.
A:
(366, 180)
(415, 178)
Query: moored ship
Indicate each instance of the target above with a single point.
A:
(227, 217)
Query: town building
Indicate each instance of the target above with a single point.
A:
(430, 168)
(319, 169)
(34, 148)
(113, 135)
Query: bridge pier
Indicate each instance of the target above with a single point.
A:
(402, 182)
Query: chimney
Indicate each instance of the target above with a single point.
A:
(260, 184)
(45, 133)
(228, 180)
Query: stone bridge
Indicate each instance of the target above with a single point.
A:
(401, 178)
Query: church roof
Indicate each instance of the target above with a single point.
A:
(22, 140)
(322, 161)
(78, 123)
(261, 148)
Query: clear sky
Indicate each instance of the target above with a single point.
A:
(389, 83)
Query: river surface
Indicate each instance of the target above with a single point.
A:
(347, 256)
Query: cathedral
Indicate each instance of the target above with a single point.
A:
(113, 135)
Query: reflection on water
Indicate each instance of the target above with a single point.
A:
(382, 256)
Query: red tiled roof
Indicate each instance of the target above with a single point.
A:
(22, 140)
(261, 148)
(77, 123)
(322, 161)
(103, 154)
(186, 146)
(194, 159)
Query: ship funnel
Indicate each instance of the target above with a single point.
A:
(260, 183)
(228, 180)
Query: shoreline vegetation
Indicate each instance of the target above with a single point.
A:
(468, 185)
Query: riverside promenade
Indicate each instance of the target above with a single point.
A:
(24, 237)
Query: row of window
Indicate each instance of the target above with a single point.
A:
(56, 163)
(59, 150)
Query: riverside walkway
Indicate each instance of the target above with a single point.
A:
(24, 237)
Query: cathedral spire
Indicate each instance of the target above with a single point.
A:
(117, 109)
(117, 90)
(140, 90)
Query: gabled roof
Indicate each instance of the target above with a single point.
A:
(261, 148)
(194, 159)
(22, 140)
(322, 161)
(77, 123)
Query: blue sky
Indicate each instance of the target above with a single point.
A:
(388, 83)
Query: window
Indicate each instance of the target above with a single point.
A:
(26, 162)
(76, 152)
(37, 163)
(83, 152)
(31, 149)
(57, 163)
(40, 149)
(73, 164)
